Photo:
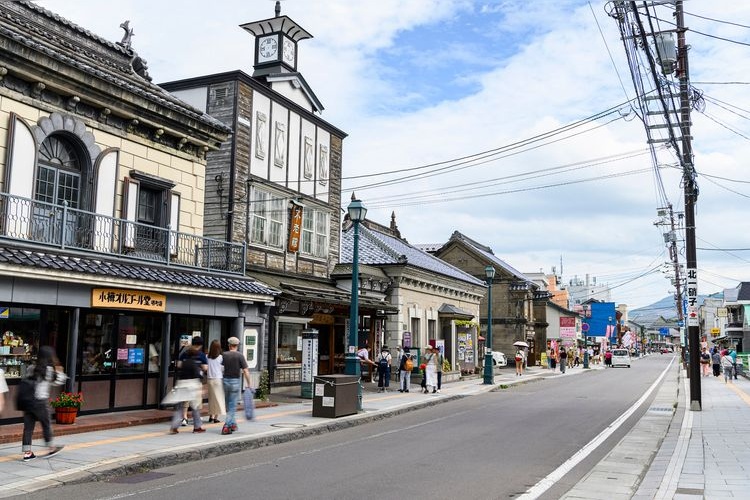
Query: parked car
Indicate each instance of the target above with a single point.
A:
(499, 359)
(620, 357)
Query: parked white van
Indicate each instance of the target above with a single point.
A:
(620, 357)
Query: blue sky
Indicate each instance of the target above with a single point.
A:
(414, 82)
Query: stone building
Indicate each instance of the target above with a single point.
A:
(436, 303)
(102, 251)
(513, 294)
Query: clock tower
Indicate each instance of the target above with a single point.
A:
(275, 44)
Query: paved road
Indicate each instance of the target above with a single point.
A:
(494, 445)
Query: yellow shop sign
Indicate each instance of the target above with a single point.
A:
(128, 299)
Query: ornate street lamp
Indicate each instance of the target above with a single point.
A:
(489, 371)
(357, 213)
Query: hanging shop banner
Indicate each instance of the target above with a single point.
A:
(128, 299)
(295, 228)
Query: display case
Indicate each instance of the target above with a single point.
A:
(15, 365)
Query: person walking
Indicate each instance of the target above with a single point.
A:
(716, 362)
(405, 366)
(519, 362)
(733, 355)
(190, 372)
(384, 369)
(552, 360)
(235, 367)
(197, 343)
(47, 372)
(727, 365)
(705, 362)
(215, 376)
(430, 361)
(577, 361)
(563, 359)
(608, 359)
(440, 360)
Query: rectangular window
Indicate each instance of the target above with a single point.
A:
(259, 209)
(287, 344)
(308, 224)
(314, 233)
(148, 206)
(268, 213)
(276, 216)
(431, 329)
(415, 330)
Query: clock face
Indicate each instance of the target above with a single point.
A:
(268, 49)
(288, 54)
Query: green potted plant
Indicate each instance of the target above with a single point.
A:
(66, 406)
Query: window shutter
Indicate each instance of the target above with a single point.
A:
(129, 211)
(19, 178)
(173, 209)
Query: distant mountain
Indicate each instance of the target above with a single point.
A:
(664, 308)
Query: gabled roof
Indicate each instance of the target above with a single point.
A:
(297, 81)
(487, 253)
(376, 248)
(740, 293)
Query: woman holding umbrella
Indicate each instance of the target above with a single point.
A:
(520, 356)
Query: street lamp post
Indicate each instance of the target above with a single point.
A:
(489, 372)
(357, 213)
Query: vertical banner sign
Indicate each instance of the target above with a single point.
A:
(567, 327)
(692, 297)
(295, 228)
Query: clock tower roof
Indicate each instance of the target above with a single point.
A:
(278, 24)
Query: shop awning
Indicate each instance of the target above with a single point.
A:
(319, 291)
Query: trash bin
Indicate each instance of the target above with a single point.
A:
(335, 396)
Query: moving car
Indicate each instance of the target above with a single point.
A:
(499, 359)
(620, 357)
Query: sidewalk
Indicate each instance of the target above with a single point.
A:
(675, 453)
(668, 454)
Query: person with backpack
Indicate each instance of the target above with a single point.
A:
(33, 399)
(405, 367)
(384, 369)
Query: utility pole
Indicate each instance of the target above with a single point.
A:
(691, 196)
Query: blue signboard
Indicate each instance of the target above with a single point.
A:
(135, 356)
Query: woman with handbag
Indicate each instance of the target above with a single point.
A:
(189, 387)
(47, 372)
(215, 376)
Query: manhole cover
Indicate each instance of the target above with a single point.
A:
(140, 478)
(288, 426)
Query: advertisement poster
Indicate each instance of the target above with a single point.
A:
(461, 346)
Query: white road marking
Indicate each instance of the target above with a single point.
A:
(553, 477)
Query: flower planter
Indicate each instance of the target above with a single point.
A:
(65, 415)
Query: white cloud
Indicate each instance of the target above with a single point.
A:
(539, 65)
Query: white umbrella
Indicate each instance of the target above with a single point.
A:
(520, 343)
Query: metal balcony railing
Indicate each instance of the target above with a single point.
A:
(63, 227)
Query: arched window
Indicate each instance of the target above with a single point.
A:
(58, 177)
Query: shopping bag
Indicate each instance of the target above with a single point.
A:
(248, 401)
